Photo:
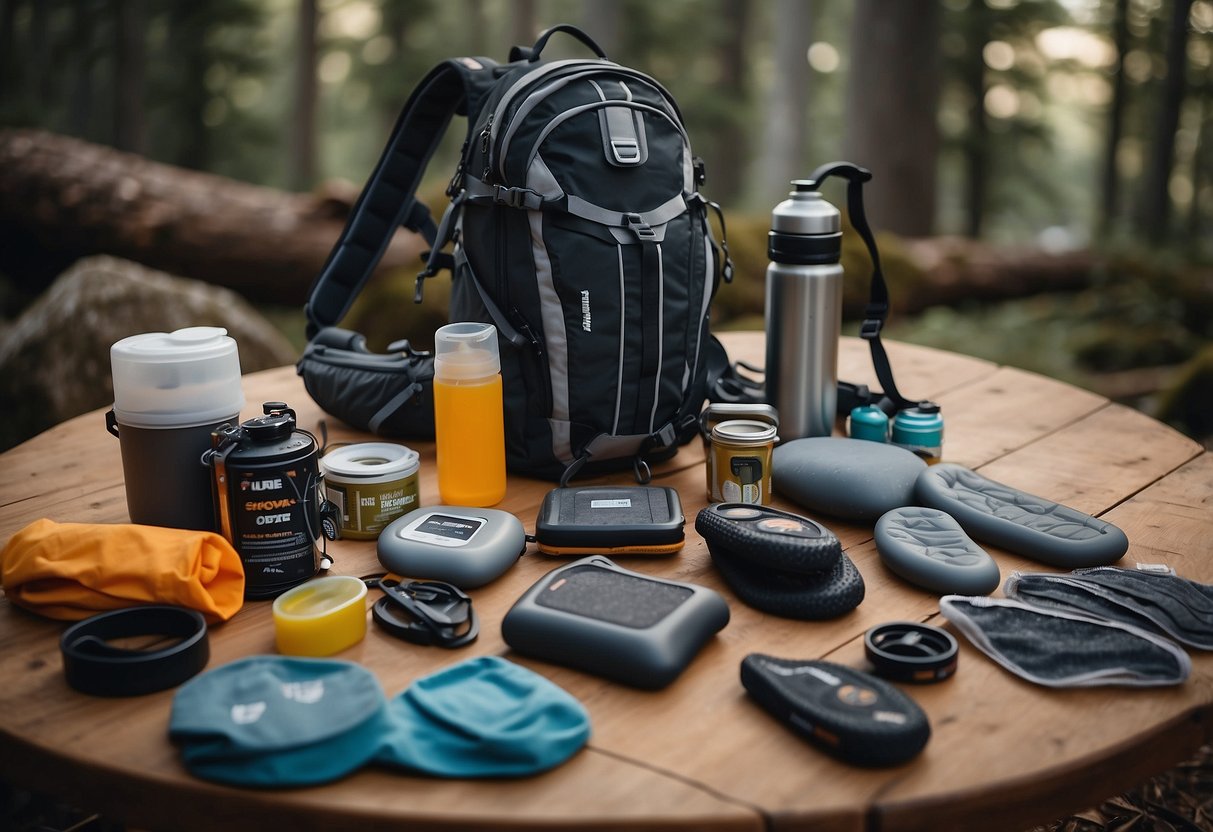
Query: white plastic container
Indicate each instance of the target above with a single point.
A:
(171, 389)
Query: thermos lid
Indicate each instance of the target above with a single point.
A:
(465, 352)
(178, 379)
(805, 212)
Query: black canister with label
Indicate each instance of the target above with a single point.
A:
(268, 491)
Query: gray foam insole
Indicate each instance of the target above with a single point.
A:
(1020, 522)
(928, 548)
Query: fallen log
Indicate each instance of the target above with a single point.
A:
(68, 198)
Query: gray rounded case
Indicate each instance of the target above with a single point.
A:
(596, 616)
(467, 547)
(929, 549)
(850, 478)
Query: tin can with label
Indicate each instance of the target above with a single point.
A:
(372, 483)
(739, 463)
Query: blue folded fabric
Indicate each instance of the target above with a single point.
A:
(276, 721)
(485, 717)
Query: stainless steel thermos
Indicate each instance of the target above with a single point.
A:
(804, 312)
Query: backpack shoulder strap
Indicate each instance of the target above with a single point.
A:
(389, 198)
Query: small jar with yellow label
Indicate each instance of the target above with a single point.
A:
(739, 462)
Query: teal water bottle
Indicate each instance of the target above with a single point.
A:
(920, 429)
(869, 422)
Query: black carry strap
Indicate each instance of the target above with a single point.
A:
(878, 299)
(389, 198)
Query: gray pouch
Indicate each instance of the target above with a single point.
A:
(1164, 603)
(1064, 648)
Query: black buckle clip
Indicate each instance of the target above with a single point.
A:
(636, 224)
(513, 197)
(426, 612)
(870, 328)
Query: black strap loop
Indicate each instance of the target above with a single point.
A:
(518, 53)
(878, 303)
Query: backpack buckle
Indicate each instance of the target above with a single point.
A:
(516, 197)
(636, 224)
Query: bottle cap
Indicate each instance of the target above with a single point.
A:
(176, 379)
(745, 432)
(869, 422)
(466, 351)
(922, 425)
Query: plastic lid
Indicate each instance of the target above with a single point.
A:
(466, 351)
(368, 460)
(176, 379)
(745, 431)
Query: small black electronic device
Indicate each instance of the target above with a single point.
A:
(847, 713)
(595, 616)
(426, 612)
(780, 562)
(610, 520)
(769, 537)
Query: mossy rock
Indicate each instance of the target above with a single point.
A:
(1188, 402)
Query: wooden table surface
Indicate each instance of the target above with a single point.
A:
(1004, 754)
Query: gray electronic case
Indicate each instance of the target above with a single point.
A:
(595, 616)
(467, 547)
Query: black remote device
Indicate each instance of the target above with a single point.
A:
(769, 537)
(847, 713)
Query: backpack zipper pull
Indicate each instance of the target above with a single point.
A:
(485, 136)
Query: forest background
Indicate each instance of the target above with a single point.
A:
(1043, 168)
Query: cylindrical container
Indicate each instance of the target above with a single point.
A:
(869, 422)
(371, 483)
(267, 484)
(469, 426)
(804, 312)
(171, 391)
(740, 461)
(920, 429)
(320, 617)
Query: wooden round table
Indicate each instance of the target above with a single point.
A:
(1003, 753)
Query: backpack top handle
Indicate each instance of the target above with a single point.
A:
(521, 53)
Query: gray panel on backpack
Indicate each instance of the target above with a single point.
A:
(1020, 522)
(595, 616)
(928, 548)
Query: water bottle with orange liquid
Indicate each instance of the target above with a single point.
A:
(468, 421)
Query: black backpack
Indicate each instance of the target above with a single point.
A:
(579, 232)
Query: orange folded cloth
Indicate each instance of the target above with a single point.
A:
(73, 570)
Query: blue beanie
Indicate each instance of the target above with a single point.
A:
(278, 721)
(484, 717)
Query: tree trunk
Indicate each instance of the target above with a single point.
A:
(303, 120)
(600, 20)
(130, 62)
(523, 26)
(80, 117)
(187, 32)
(976, 146)
(892, 100)
(73, 198)
(785, 132)
(1155, 207)
(1116, 111)
(9, 73)
(731, 136)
